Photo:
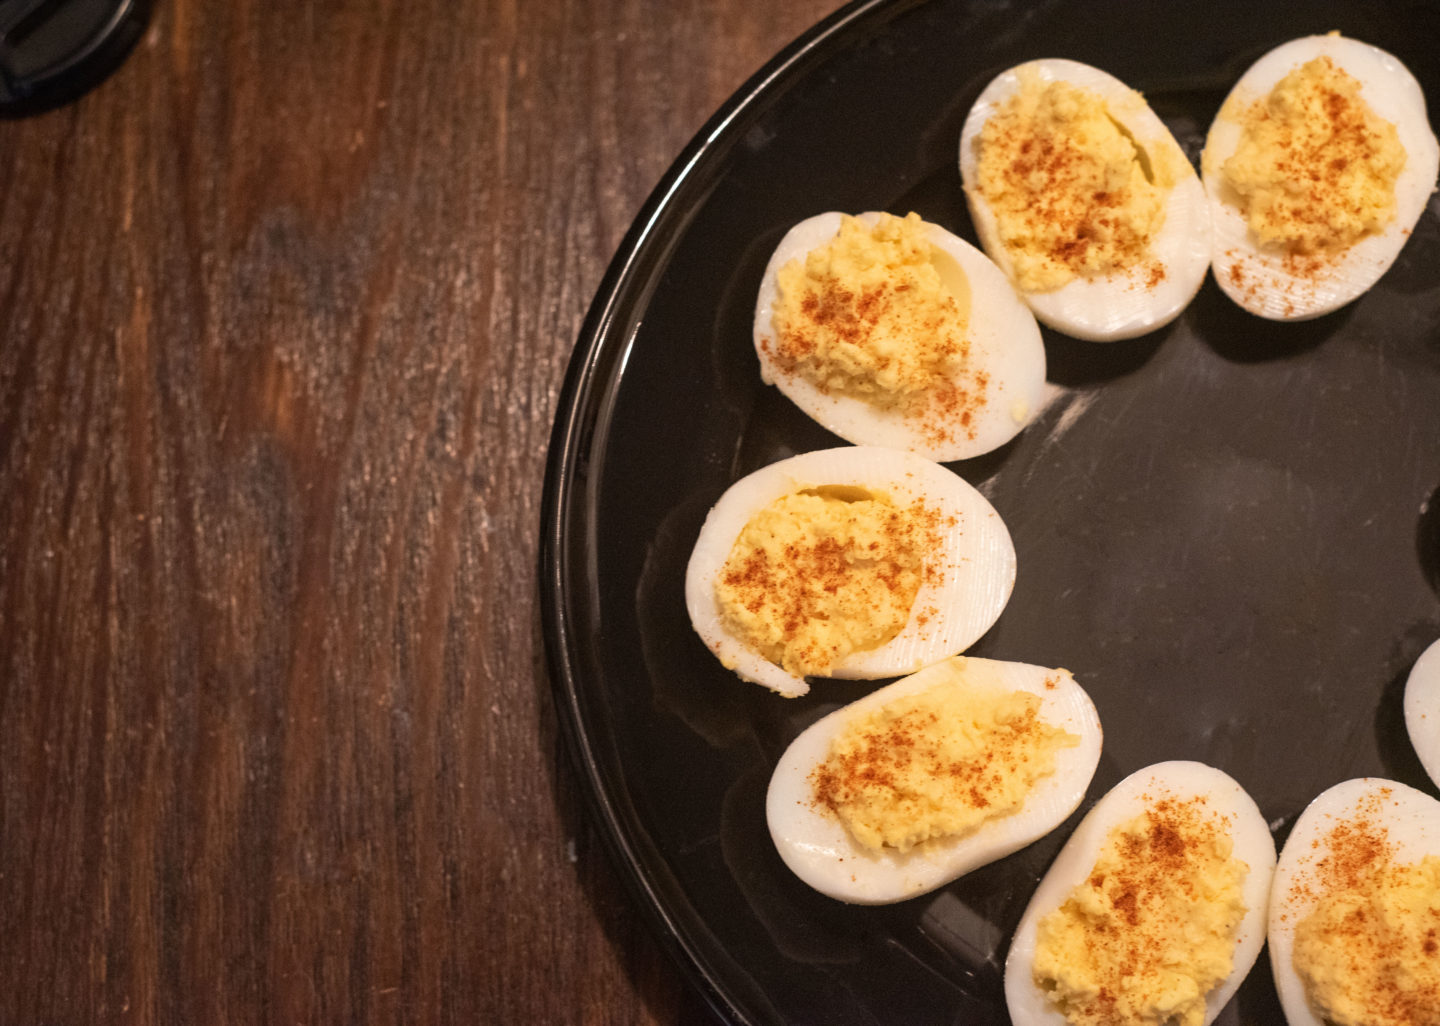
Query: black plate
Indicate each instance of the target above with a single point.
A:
(1221, 527)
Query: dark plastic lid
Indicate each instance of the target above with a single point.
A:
(51, 51)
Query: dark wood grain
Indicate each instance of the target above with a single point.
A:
(285, 305)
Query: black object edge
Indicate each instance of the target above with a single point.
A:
(102, 34)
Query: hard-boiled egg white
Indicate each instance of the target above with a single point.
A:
(1402, 819)
(1003, 375)
(975, 559)
(822, 852)
(1182, 781)
(1268, 281)
(1422, 710)
(1124, 303)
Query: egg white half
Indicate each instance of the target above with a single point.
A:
(820, 850)
(976, 559)
(1004, 343)
(1259, 279)
(1412, 824)
(1123, 304)
(1252, 844)
(1422, 710)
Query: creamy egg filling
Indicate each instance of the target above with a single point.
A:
(1368, 953)
(1315, 169)
(880, 314)
(937, 763)
(1072, 192)
(821, 573)
(1152, 929)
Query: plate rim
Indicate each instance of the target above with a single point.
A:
(597, 351)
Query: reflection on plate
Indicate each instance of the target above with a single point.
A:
(1225, 529)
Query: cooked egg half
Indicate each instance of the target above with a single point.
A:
(968, 573)
(823, 852)
(1353, 829)
(1184, 802)
(976, 381)
(1422, 710)
(1311, 270)
(1124, 226)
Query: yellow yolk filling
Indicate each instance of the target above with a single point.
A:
(1315, 169)
(819, 574)
(869, 314)
(1369, 954)
(1073, 195)
(1152, 930)
(937, 763)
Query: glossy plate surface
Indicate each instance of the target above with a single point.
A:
(1227, 530)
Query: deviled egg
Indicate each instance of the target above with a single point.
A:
(1355, 910)
(1422, 710)
(932, 776)
(1083, 198)
(1318, 165)
(1153, 912)
(892, 331)
(856, 562)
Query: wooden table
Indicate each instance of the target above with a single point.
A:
(285, 306)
